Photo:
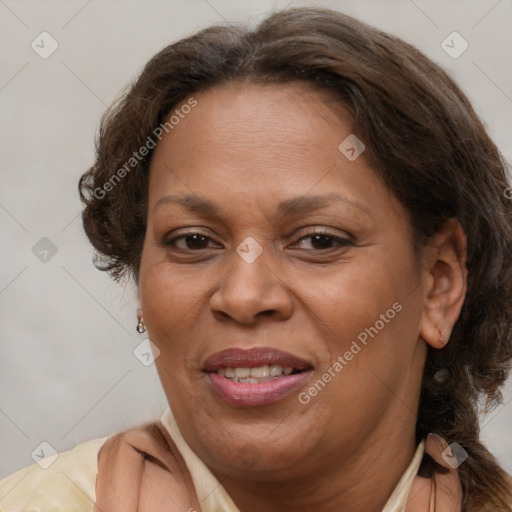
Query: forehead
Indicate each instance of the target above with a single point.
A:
(246, 150)
(257, 129)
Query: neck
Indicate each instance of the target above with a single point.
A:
(362, 481)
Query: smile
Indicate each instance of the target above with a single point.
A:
(256, 377)
(253, 375)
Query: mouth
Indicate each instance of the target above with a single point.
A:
(258, 374)
(255, 377)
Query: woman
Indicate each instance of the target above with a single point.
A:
(318, 227)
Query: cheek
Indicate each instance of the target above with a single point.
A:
(371, 368)
(159, 292)
(167, 299)
(174, 301)
(370, 316)
(168, 305)
(355, 297)
(377, 322)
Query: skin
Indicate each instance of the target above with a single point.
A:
(246, 148)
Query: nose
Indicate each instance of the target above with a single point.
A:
(251, 291)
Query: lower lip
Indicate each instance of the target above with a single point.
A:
(245, 394)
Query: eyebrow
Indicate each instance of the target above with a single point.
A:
(289, 207)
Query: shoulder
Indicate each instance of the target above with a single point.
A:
(111, 473)
(67, 478)
(143, 468)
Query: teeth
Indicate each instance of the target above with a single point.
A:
(258, 374)
(260, 371)
(243, 373)
(276, 370)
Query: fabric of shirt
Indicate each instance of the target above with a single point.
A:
(68, 484)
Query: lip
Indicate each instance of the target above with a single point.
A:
(251, 358)
(244, 394)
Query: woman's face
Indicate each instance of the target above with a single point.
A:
(269, 250)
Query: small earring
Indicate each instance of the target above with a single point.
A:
(141, 326)
(441, 337)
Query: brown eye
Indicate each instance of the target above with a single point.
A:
(322, 241)
(190, 241)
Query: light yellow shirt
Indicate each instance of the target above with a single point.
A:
(68, 484)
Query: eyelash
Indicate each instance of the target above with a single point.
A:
(340, 241)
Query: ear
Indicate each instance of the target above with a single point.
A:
(445, 283)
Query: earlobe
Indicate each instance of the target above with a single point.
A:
(445, 283)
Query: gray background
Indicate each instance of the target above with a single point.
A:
(68, 373)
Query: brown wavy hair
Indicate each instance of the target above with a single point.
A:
(422, 137)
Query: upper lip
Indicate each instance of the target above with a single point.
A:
(251, 358)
